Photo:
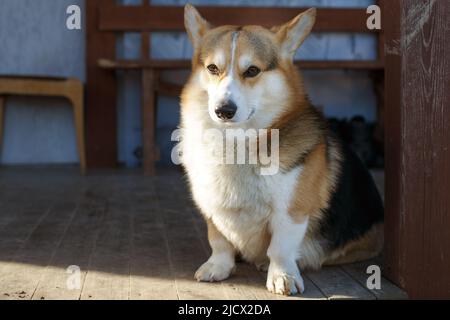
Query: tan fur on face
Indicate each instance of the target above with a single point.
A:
(270, 51)
(256, 43)
(233, 50)
(216, 40)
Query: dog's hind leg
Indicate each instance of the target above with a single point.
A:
(367, 247)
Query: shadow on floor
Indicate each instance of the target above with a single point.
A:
(132, 237)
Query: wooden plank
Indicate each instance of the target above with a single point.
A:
(20, 276)
(151, 277)
(337, 285)
(169, 89)
(181, 242)
(418, 147)
(10, 208)
(108, 274)
(145, 37)
(358, 271)
(378, 86)
(16, 231)
(75, 249)
(34, 77)
(2, 120)
(186, 64)
(381, 38)
(170, 18)
(393, 142)
(149, 120)
(145, 45)
(140, 64)
(183, 209)
(20, 222)
(101, 129)
(38, 87)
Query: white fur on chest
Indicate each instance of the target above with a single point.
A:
(237, 198)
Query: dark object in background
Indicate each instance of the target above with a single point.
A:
(361, 139)
(138, 153)
(359, 135)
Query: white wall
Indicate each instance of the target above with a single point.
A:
(34, 40)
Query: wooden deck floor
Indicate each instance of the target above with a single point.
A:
(132, 237)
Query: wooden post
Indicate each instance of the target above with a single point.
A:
(77, 99)
(150, 79)
(145, 38)
(2, 121)
(101, 113)
(148, 120)
(378, 85)
(417, 250)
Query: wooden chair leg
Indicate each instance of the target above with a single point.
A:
(2, 120)
(148, 116)
(78, 110)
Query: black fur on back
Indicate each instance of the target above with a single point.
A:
(356, 204)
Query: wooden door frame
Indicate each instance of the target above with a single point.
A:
(417, 146)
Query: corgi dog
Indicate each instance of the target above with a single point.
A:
(320, 208)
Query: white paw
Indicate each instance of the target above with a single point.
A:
(213, 271)
(286, 281)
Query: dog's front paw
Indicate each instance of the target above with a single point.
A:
(286, 282)
(213, 271)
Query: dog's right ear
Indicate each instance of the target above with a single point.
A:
(195, 25)
(292, 34)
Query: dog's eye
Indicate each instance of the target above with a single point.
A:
(251, 72)
(213, 69)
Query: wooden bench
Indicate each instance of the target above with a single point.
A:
(71, 89)
(105, 19)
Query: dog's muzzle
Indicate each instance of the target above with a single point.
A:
(226, 110)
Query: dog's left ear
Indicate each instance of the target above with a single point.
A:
(292, 34)
(195, 25)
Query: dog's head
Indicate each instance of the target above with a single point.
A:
(246, 71)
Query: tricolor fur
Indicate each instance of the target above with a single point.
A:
(322, 207)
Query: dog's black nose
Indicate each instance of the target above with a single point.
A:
(226, 111)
